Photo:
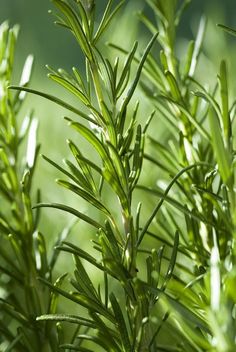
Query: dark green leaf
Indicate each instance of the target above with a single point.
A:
(146, 226)
(74, 319)
(81, 300)
(85, 195)
(106, 19)
(55, 100)
(74, 348)
(172, 261)
(70, 87)
(221, 154)
(75, 25)
(227, 29)
(136, 78)
(83, 281)
(69, 247)
(121, 323)
(225, 101)
(126, 69)
(70, 210)
(97, 144)
(81, 180)
(174, 87)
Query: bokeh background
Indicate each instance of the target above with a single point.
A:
(55, 46)
(52, 45)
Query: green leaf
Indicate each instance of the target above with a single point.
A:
(67, 346)
(189, 58)
(112, 263)
(70, 210)
(15, 276)
(62, 237)
(108, 123)
(164, 61)
(54, 295)
(121, 323)
(97, 340)
(75, 25)
(210, 99)
(177, 204)
(119, 167)
(68, 318)
(225, 102)
(40, 253)
(174, 87)
(9, 259)
(148, 122)
(156, 209)
(79, 78)
(126, 69)
(215, 276)
(12, 311)
(81, 300)
(106, 19)
(85, 195)
(172, 261)
(5, 226)
(28, 215)
(16, 247)
(14, 343)
(81, 180)
(96, 143)
(32, 143)
(65, 172)
(227, 29)
(197, 46)
(221, 154)
(70, 248)
(101, 26)
(105, 331)
(24, 81)
(12, 37)
(195, 123)
(181, 10)
(83, 281)
(146, 21)
(116, 186)
(27, 70)
(25, 125)
(70, 87)
(136, 79)
(27, 342)
(55, 100)
(109, 172)
(85, 20)
(4, 28)
(6, 333)
(85, 164)
(112, 240)
(137, 156)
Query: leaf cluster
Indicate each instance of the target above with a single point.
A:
(182, 297)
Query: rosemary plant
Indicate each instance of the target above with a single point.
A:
(177, 303)
(199, 121)
(118, 139)
(23, 256)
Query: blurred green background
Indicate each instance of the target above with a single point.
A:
(54, 46)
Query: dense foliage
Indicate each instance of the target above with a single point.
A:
(167, 275)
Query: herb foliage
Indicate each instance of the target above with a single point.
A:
(184, 300)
